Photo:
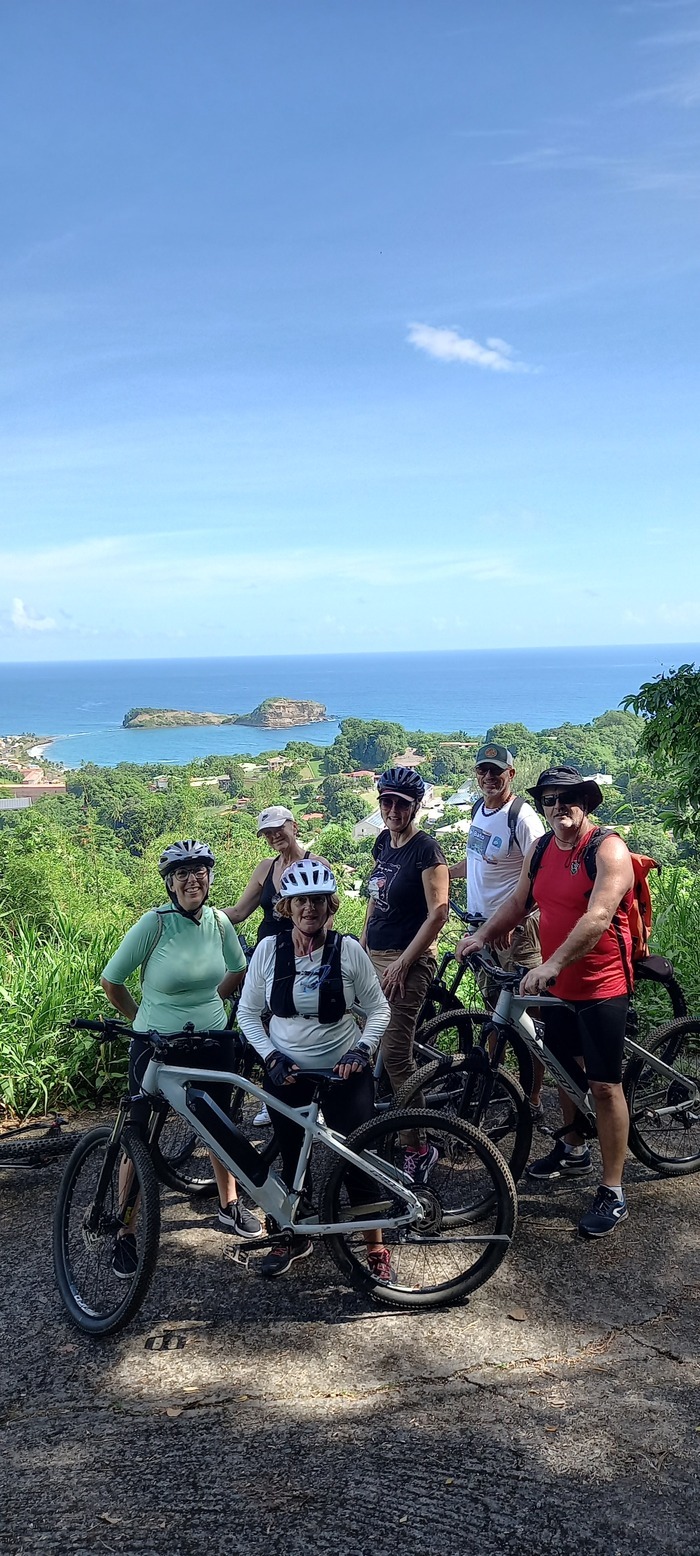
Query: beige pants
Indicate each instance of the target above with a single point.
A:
(397, 1042)
(524, 951)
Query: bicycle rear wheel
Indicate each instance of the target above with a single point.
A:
(664, 1119)
(458, 1246)
(459, 1032)
(467, 1088)
(85, 1231)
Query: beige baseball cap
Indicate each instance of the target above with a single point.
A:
(275, 816)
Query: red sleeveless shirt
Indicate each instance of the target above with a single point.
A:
(561, 889)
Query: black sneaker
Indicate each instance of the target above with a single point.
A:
(605, 1214)
(236, 1219)
(560, 1164)
(281, 1258)
(125, 1257)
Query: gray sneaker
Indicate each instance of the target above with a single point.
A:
(560, 1164)
(236, 1219)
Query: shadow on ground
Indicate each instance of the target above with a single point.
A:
(239, 1416)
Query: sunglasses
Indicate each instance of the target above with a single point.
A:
(489, 772)
(394, 802)
(316, 896)
(567, 797)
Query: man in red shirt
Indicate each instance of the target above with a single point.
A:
(586, 960)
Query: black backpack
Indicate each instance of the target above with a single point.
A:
(513, 814)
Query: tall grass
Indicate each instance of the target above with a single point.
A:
(45, 979)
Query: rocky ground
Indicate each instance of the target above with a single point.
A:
(557, 1412)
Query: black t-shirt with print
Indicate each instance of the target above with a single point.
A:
(396, 889)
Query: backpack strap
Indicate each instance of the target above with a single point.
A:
(154, 942)
(218, 915)
(539, 852)
(514, 812)
(475, 807)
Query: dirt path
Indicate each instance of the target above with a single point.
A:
(236, 1416)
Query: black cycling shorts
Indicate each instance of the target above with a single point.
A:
(594, 1029)
(221, 1056)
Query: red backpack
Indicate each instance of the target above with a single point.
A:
(639, 912)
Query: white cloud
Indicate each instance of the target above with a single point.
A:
(25, 621)
(447, 345)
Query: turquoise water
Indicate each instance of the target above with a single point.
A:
(83, 704)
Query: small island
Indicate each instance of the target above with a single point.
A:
(272, 713)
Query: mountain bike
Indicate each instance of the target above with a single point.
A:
(661, 1083)
(657, 999)
(446, 1236)
(37, 1143)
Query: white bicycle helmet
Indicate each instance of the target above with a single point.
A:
(307, 878)
(188, 852)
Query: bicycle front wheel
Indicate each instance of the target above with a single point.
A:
(98, 1179)
(457, 1245)
(467, 1088)
(664, 1117)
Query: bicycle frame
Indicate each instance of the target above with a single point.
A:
(511, 1011)
(269, 1192)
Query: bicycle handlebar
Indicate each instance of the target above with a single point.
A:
(472, 919)
(110, 1029)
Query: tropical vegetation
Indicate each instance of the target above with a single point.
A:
(77, 869)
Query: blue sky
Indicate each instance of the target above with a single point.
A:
(348, 324)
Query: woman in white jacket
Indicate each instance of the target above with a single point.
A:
(310, 981)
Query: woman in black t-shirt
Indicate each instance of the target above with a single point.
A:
(408, 905)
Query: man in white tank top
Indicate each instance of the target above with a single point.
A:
(503, 829)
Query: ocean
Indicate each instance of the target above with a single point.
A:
(82, 705)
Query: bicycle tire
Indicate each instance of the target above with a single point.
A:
(468, 1028)
(506, 1118)
(458, 1142)
(678, 1044)
(91, 1314)
(37, 1153)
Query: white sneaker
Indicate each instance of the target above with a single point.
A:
(262, 1118)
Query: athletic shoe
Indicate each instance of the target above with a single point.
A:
(560, 1164)
(605, 1214)
(262, 1118)
(125, 1257)
(235, 1218)
(281, 1258)
(379, 1264)
(537, 1112)
(419, 1163)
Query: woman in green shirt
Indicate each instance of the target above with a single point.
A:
(190, 961)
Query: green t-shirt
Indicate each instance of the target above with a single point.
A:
(183, 971)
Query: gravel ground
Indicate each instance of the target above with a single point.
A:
(557, 1412)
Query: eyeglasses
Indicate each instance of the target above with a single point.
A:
(394, 802)
(200, 872)
(565, 797)
(316, 896)
(490, 772)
